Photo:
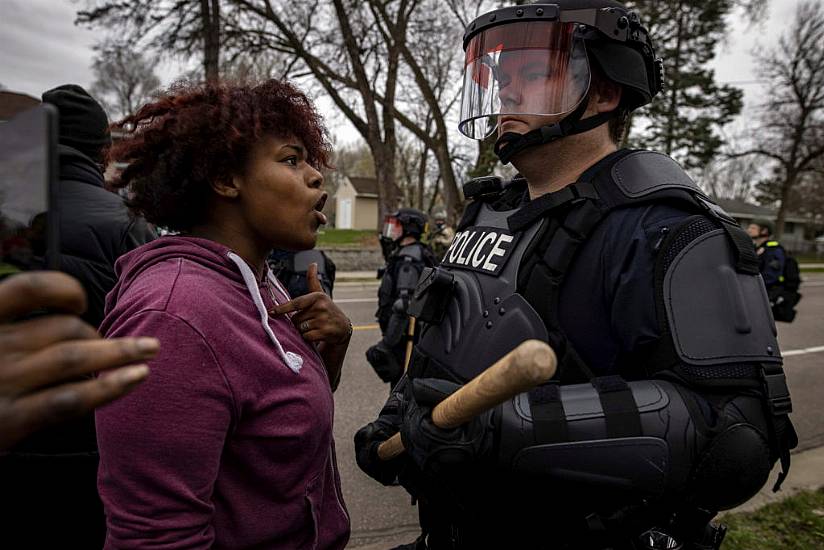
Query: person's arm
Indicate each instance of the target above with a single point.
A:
(160, 450)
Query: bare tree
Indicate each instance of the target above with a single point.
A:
(791, 133)
(124, 79)
(731, 178)
(353, 59)
(181, 28)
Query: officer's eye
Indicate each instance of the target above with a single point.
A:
(537, 75)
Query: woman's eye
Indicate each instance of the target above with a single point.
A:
(291, 160)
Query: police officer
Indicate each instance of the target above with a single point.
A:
(782, 283)
(771, 255)
(670, 402)
(441, 235)
(406, 257)
(291, 269)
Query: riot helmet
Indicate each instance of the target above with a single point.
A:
(760, 228)
(404, 222)
(536, 60)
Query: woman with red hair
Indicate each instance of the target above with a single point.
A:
(229, 443)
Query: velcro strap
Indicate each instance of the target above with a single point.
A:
(775, 386)
(548, 417)
(620, 410)
(535, 209)
(746, 259)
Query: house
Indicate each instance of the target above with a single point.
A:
(356, 203)
(745, 213)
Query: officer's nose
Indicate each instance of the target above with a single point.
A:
(509, 94)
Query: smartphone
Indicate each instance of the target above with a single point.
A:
(29, 226)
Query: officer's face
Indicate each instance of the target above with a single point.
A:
(528, 83)
(754, 231)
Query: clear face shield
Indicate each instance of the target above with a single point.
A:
(535, 68)
(392, 228)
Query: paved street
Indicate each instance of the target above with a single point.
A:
(382, 516)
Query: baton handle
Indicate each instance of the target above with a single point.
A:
(531, 363)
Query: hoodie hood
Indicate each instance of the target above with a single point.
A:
(213, 256)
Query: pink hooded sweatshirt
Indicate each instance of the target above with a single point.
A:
(228, 443)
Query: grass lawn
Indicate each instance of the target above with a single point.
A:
(347, 237)
(796, 523)
(809, 258)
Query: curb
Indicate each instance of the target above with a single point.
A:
(806, 474)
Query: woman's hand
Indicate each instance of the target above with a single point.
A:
(320, 321)
(316, 316)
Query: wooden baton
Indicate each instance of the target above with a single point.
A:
(529, 364)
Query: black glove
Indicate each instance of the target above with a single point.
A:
(436, 450)
(369, 438)
(384, 362)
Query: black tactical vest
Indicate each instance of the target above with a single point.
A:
(470, 304)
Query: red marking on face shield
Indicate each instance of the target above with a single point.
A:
(480, 70)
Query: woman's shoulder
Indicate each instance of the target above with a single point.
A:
(179, 287)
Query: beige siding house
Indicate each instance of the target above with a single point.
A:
(356, 204)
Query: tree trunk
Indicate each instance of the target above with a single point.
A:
(673, 99)
(454, 203)
(210, 17)
(384, 156)
(789, 183)
(422, 176)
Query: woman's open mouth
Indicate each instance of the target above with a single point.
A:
(318, 209)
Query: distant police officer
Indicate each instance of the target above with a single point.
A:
(778, 269)
(405, 258)
(670, 402)
(771, 255)
(441, 235)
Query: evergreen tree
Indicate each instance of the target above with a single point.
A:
(684, 120)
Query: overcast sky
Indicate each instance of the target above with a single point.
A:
(40, 48)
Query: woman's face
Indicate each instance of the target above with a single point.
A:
(281, 195)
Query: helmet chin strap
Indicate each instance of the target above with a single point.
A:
(512, 143)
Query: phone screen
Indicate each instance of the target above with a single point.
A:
(28, 166)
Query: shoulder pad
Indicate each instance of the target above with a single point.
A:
(412, 251)
(717, 315)
(643, 172)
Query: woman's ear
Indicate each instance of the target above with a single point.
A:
(228, 188)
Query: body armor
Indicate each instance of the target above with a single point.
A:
(640, 440)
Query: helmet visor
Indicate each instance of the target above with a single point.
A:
(392, 227)
(524, 68)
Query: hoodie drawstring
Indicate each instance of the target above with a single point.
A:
(292, 360)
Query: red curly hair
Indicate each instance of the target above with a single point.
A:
(196, 134)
